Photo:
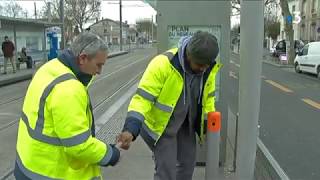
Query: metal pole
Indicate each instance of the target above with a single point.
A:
(15, 41)
(49, 11)
(44, 40)
(44, 45)
(120, 6)
(35, 10)
(151, 28)
(213, 141)
(235, 145)
(251, 48)
(62, 44)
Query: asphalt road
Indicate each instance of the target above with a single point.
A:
(118, 74)
(289, 117)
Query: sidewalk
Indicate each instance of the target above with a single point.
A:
(267, 59)
(136, 163)
(25, 74)
(20, 75)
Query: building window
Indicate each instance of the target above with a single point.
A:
(304, 7)
(313, 32)
(293, 8)
(314, 6)
(302, 33)
(32, 43)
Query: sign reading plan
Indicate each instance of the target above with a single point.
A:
(175, 32)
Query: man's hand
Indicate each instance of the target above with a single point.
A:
(124, 140)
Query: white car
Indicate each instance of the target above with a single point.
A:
(308, 60)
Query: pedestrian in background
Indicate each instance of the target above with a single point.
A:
(25, 58)
(8, 53)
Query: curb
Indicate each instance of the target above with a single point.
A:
(270, 63)
(28, 76)
(278, 65)
(16, 79)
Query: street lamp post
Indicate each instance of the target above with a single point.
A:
(120, 6)
(62, 24)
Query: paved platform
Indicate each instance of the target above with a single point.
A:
(25, 74)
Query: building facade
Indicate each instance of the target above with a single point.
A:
(109, 30)
(308, 28)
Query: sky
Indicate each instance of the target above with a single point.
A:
(131, 10)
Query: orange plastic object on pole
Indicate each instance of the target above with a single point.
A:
(214, 121)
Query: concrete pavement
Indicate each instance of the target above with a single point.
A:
(137, 162)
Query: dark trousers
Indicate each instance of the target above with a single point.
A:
(28, 61)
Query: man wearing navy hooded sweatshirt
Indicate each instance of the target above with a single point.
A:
(171, 105)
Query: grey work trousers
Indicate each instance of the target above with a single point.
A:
(174, 156)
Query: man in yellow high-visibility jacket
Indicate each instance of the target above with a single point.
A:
(174, 96)
(56, 134)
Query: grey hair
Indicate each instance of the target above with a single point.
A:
(89, 44)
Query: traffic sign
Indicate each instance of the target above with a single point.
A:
(289, 19)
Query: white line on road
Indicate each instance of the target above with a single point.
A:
(9, 114)
(281, 173)
(232, 62)
(107, 115)
(233, 74)
(124, 67)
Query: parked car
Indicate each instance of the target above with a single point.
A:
(280, 48)
(308, 59)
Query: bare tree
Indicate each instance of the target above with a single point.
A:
(13, 9)
(288, 28)
(144, 25)
(54, 7)
(69, 23)
(25, 13)
(83, 11)
(1, 10)
(236, 5)
(272, 28)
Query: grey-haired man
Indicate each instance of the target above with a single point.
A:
(56, 135)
